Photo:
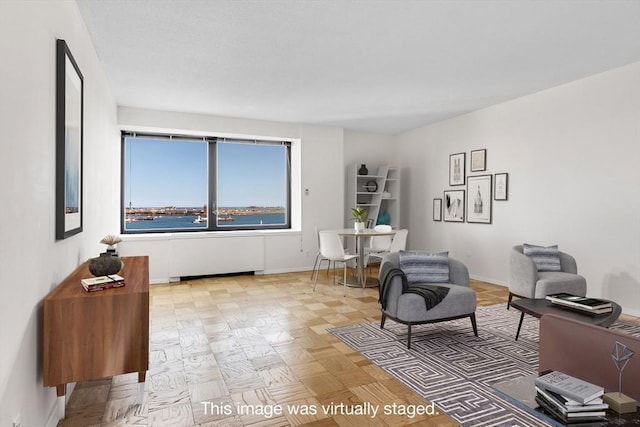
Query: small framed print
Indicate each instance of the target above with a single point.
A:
(479, 199)
(453, 206)
(478, 161)
(501, 186)
(437, 209)
(456, 169)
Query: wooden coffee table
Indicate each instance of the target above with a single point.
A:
(541, 306)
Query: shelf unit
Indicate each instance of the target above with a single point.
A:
(378, 192)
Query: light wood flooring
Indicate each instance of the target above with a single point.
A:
(259, 341)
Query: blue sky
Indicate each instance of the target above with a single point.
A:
(161, 172)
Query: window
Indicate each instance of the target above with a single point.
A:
(180, 183)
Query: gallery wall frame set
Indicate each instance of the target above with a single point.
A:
(437, 209)
(501, 186)
(453, 206)
(69, 143)
(457, 169)
(479, 199)
(478, 162)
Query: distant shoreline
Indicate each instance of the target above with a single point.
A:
(227, 211)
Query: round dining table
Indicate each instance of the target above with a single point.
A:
(360, 236)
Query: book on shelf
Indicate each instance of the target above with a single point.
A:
(570, 387)
(102, 282)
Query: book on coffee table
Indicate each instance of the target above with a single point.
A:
(570, 387)
(589, 305)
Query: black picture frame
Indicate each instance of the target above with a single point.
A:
(453, 205)
(478, 160)
(501, 186)
(479, 197)
(437, 209)
(457, 169)
(69, 143)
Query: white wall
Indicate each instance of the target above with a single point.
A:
(318, 200)
(572, 155)
(31, 261)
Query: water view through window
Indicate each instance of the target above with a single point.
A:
(171, 184)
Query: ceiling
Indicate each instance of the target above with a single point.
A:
(383, 66)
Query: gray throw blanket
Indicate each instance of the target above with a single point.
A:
(432, 294)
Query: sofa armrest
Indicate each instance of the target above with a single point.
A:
(568, 263)
(523, 274)
(458, 273)
(584, 351)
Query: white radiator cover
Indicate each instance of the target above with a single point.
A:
(201, 256)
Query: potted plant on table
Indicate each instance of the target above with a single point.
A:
(359, 215)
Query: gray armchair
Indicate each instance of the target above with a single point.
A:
(410, 309)
(526, 281)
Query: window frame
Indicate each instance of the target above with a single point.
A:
(212, 176)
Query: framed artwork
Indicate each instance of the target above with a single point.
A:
(478, 161)
(453, 205)
(437, 209)
(501, 186)
(456, 169)
(69, 128)
(479, 199)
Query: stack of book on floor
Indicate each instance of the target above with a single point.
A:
(569, 399)
(582, 304)
(102, 282)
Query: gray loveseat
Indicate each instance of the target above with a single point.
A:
(410, 308)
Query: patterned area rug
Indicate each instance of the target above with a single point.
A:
(449, 366)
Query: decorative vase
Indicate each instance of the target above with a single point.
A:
(105, 264)
(363, 170)
(358, 226)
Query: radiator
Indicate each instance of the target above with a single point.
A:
(201, 256)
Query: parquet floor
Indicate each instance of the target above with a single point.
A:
(257, 341)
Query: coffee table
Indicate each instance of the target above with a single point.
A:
(540, 306)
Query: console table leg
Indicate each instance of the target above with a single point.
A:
(61, 390)
(62, 400)
(141, 380)
(519, 325)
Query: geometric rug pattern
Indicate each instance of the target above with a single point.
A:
(449, 366)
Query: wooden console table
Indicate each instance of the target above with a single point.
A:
(92, 335)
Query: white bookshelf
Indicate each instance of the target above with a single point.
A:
(378, 192)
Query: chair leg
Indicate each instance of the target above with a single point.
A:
(384, 318)
(315, 282)
(473, 324)
(409, 337)
(315, 264)
(509, 301)
(344, 280)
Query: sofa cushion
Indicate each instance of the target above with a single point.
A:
(545, 258)
(422, 267)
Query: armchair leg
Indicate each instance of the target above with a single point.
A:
(473, 324)
(409, 337)
(384, 318)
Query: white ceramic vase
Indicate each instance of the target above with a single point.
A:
(358, 226)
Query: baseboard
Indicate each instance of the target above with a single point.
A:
(490, 280)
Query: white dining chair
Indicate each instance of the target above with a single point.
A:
(380, 244)
(398, 243)
(331, 249)
(319, 258)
